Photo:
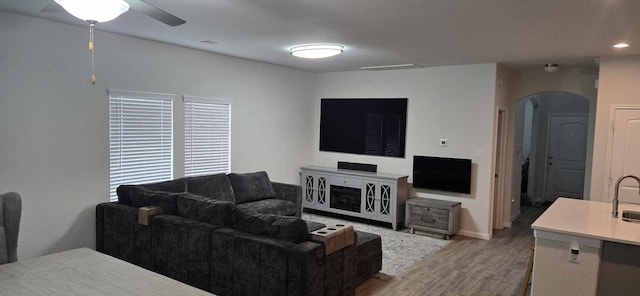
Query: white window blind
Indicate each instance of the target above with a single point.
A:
(140, 138)
(207, 124)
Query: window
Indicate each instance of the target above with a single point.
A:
(140, 138)
(207, 136)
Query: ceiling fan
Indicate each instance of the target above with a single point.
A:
(137, 5)
(100, 11)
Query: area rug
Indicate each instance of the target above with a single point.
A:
(400, 250)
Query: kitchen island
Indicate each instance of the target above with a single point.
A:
(581, 250)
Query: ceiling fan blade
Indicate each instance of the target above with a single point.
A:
(52, 7)
(155, 13)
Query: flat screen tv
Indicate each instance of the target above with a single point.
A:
(363, 126)
(444, 174)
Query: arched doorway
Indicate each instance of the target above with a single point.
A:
(551, 140)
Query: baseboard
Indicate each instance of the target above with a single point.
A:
(485, 236)
(513, 218)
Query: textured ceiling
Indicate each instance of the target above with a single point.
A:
(384, 32)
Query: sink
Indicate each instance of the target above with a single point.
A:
(631, 216)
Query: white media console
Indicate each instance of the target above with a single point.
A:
(375, 196)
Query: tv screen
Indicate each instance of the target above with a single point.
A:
(363, 126)
(444, 174)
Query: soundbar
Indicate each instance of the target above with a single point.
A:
(354, 166)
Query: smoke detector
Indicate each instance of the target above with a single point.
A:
(550, 67)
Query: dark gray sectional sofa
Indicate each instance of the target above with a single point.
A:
(236, 234)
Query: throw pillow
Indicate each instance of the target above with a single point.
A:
(250, 221)
(124, 191)
(212, 186)
(204, 209)
(141, 197)
(290, 229)
(124, 194)
(251, 186)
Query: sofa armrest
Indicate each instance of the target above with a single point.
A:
(182, 249)
(268, 266)
(289, 192)
(118, 234)
(306, 269)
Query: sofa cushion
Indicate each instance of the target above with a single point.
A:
(142, 197)
(124, 191)
(215, 186)
(204, 209)
(290, 229)
(251, 186)
(271, 206)
(251, 221)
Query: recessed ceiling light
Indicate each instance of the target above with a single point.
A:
(621, 45)
(316, 51)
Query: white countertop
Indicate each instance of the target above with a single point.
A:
(589, 219)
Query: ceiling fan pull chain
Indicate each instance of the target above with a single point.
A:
(93, 76)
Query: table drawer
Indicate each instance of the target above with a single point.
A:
(429, 217)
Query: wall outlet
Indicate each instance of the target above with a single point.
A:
(574, 252)
(444, 142)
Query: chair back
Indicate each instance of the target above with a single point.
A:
(10, 211)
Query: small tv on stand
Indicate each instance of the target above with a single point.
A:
(443, 174)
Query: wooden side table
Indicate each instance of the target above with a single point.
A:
(433, 215)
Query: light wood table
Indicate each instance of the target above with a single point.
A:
(85, 272)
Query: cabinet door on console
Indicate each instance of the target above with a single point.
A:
(315, 191)
(378, 201)
(322, 192)
(386, 198)
(370, 195)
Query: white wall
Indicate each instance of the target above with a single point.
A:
(54, 123)
(618, 85)
(453, 102)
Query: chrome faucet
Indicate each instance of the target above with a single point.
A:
(614, 211)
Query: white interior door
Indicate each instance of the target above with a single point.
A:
(625, 153)
(499, 174)
(566, 155)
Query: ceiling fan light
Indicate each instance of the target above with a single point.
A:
(95, 10)
(316, 51)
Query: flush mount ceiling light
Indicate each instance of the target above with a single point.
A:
(98, 11)
(621, 45)
(316, 51)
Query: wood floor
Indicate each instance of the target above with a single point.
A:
(467, 266)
